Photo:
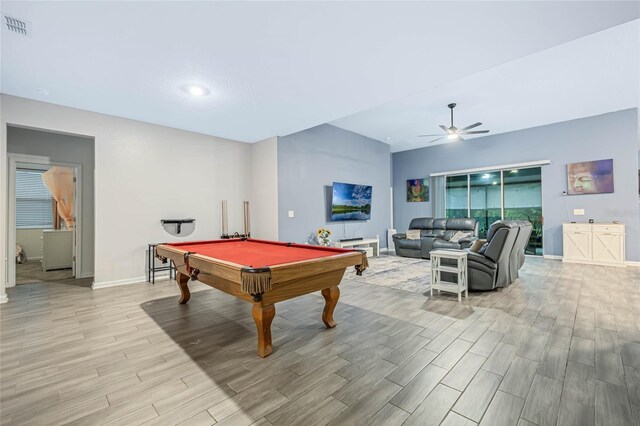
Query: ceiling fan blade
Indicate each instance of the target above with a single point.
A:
(435, 140)
(475, 132)
(471, 127)
(445, 128)
(460, 137)
(423, 136)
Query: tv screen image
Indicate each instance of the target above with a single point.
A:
(350, 202)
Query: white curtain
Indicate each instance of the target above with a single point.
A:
(59, 180)
(439, 201)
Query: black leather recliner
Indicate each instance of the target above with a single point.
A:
(517, 254)
(435, 234)
(492, 266)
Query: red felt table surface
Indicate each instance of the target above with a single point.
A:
(258, 253)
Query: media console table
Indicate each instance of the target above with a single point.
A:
(369, 244)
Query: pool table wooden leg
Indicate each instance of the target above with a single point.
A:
(263, 315)
(183, 281)
(331, 296)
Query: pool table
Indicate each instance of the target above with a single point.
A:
(263, 273)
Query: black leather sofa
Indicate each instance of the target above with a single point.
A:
(435, 234)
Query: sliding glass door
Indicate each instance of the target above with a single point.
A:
(485, 199)
(500, 194)
(457, 196)
(523, 201)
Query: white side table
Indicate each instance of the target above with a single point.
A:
(460, 270)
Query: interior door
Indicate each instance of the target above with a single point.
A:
(75, 234)
(62, 183)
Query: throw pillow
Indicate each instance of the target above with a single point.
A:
(455, 237)
(460, 235)
(477, 246)
(413, 234)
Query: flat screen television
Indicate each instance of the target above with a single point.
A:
(350, 202)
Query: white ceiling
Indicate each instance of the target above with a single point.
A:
(593, 75)
(279, 67)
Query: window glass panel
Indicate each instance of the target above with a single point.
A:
(33, 200)
(457, 204)
(523, 201)
(486, 201)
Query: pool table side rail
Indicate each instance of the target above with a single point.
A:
(263, 279)
(254, 240)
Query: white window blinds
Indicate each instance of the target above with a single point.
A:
(33, 200)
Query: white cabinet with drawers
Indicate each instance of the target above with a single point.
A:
(597, 243)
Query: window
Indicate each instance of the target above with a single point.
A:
(34, 206)
(523, 201)
(485, 199)
(457, 196)
(488, 196)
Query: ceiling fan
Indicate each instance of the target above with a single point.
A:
(453, 132)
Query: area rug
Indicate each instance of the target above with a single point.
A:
(402, 273)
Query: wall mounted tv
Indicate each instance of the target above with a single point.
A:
(350, 202)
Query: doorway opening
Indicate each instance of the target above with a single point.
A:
(45, 229)
(49, 214)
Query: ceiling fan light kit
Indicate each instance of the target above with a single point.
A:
(453, 133)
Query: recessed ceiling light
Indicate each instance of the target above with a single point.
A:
(43, 92)
(195, 90)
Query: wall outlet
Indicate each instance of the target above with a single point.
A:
(291, 213)
(578, 212)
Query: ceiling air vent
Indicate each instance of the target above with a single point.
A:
(17, 26)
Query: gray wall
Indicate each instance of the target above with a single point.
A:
(64, 149)
(310, 161)
(613, 135)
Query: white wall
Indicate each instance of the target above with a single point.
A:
(31, 242)
(264, 208)
(143, 173)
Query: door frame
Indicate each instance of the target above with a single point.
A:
(17, 161)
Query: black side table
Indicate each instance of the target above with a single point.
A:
(152, 268)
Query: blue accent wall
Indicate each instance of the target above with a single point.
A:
(310, 161)
(613, 135)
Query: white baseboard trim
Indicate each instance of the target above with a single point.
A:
(3, 298)
(595, 263)
(552, 256)
(128, 281)
(628, 262)
(85, 275)
(115, 283)
(161, 276)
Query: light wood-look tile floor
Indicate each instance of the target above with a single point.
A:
(561, 346)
